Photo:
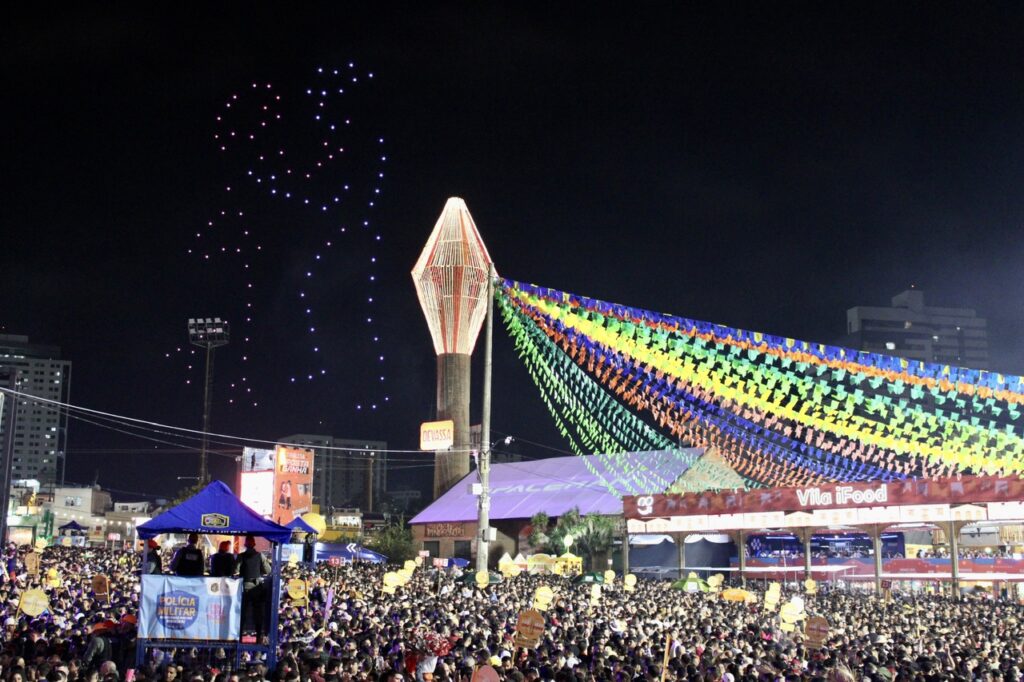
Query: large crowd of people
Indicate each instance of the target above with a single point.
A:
(441, 627)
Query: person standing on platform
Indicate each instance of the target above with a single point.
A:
(252, 566)
(152, 563)
(223, 563)
(189, 561)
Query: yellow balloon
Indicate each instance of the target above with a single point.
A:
(609, 576)
(392, 579)
(630, 580)
(483, 578)
(410, 565)
(316, 522)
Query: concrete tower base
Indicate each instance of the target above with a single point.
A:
(453, 403)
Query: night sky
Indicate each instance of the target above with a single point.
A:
(764, 168)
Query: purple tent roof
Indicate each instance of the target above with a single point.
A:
(554, 486)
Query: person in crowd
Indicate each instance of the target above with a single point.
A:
(351, 630)
(188, 561)
(223, 563)
(152, 563)
(252, 567)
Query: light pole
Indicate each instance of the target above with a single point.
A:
(484, 510)
(10, 402)
(209, 334)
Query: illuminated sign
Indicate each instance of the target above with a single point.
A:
(293, 483)
(257, 459)
(258, 491)
(843, 495)
(437, 435)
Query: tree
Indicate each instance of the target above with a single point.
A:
(592, 535)
(539, 523)
(188, 492)
(594, 538)
(394, 542)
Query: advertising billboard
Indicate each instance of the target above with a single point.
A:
(257, 459)
(293, 483)
(258, 491)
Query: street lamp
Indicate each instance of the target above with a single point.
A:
(208, 333)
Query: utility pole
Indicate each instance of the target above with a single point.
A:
(10, 402)
(484, 516)
(209, 334)
(369, 481)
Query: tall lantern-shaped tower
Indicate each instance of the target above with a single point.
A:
(451, 282)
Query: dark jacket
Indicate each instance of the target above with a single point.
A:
(188, 561)
(222, 565)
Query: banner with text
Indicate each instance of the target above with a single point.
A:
(190, 608)
(958, 490)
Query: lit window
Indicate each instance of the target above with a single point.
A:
(890, 345)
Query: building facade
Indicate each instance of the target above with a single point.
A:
(347, 472)
(40, 429)
(910, 329)
(85, 506)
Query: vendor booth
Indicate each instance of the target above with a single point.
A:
(72, 534)
(206, 612)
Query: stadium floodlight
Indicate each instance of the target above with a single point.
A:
(208, 333)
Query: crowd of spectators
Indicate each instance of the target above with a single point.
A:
(441, 628)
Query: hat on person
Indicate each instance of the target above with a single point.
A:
(152, 544)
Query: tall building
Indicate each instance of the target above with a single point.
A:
(346, 472)
(911, 329)
(40, 429)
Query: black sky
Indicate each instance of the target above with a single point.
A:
(762, 167)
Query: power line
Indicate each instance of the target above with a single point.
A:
(197, 433)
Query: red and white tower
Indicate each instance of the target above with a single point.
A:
(451, 283)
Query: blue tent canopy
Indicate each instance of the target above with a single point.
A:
(214, 510)
(297, 524)
(71, 525)
(349, 552)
